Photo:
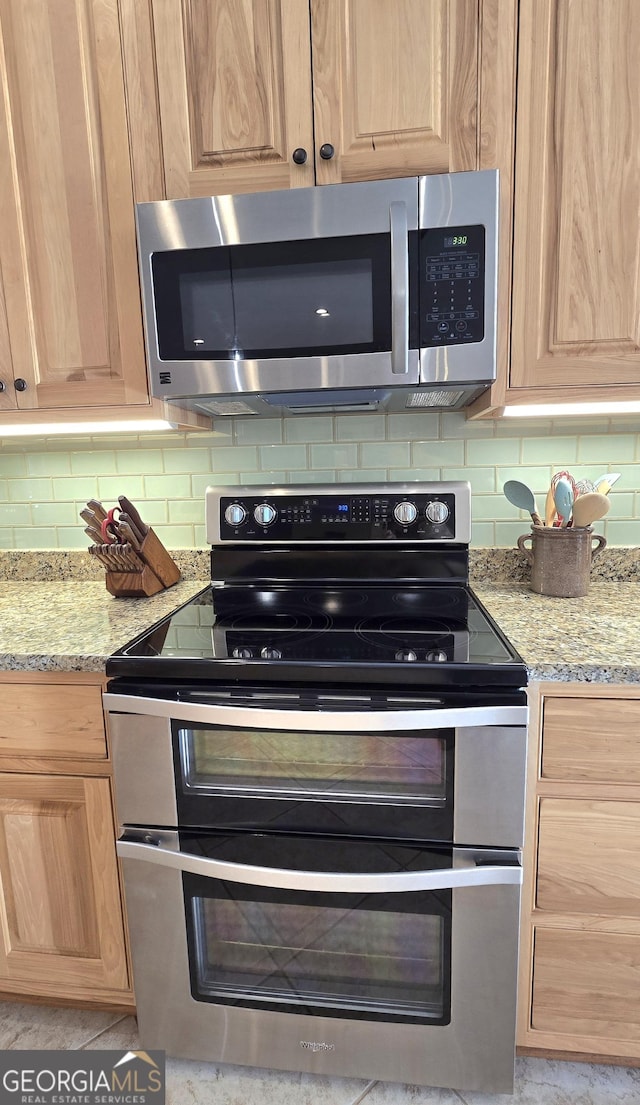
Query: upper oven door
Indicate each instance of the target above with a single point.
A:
(279, 291)
(420, 774)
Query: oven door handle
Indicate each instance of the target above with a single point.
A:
(478, 873)
(399, 227)
(317, 720)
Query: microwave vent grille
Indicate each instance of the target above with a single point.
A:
(441, 398)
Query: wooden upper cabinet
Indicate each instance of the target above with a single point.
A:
(576, 317)
(395, 87)
(234, 91)
(67, 234)
(235, 86)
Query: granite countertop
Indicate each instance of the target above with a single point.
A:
(592, 639)
(75, 625)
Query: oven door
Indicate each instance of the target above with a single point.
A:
(364, 958)
(453, 775)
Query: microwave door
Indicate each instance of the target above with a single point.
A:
(327, 309)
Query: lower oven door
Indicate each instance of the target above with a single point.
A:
(418, 770)
(369, 959)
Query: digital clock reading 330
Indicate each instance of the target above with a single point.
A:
(455, 240)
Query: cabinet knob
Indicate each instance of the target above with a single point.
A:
(20, 384)
(300, 156)
(3, 386)
(327, 151)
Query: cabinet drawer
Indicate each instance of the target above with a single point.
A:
(595, 739)
(588, 857)
(52, 721)
(586, 984)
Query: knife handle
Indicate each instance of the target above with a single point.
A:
(97, 509)
(133, 515)
(128, 532)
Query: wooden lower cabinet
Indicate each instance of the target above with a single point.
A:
(62, 931)
(580, 946)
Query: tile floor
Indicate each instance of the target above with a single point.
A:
(538, 1082)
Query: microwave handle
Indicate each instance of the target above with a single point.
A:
(399, 227)
(480, 873)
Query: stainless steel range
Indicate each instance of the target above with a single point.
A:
(319, 766)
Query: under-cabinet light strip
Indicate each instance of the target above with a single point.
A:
(46, 429)
(550, 410)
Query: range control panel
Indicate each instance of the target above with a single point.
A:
(452, 285)
(315, 516)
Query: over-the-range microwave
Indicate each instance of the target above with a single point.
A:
(378, 295)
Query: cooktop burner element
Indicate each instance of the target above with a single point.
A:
(289, 602)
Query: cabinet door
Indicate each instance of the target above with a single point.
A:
(67, 235)
(395, 87)
(62, 930)
(234, 88)
(577, 196)
(585, 984)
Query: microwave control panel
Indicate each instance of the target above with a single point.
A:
(452, 285)
(339, 517)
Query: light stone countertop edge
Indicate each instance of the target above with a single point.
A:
(76, 626)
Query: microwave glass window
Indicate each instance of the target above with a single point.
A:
(402, 767)
(319, 296)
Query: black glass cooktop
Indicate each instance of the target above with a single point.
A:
(406, 634)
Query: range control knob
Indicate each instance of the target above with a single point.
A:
(242, 653)
(437, 656)
(406, 655)
(270, 653)
(437, 512)
(405, 513)
(264, 514)
(235, 514)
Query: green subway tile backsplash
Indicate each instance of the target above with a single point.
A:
(43, 484)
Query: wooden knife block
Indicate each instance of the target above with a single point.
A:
(159, 572)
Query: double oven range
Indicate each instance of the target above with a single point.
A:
(319, 767)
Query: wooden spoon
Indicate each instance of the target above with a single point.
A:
(588, 508)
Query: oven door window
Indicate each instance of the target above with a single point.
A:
(315, 297)
(388, 767)
(361, 956)
(316, 781)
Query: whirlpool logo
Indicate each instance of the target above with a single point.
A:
(314, 1045)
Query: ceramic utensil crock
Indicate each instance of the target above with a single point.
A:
(561, 559)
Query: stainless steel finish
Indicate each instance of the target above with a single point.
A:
(235, 514)
(465, 873)
(437, 512)
(474, 1051)
(145, 789)
(451, 200)
(399, 225)
(383, 380)
(290, 215)
(405, 513)
(406, 655)
(391, 491)
(489, 772)
(489, 785)
(317, 721)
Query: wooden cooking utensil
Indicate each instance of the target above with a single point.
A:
(589, 508)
